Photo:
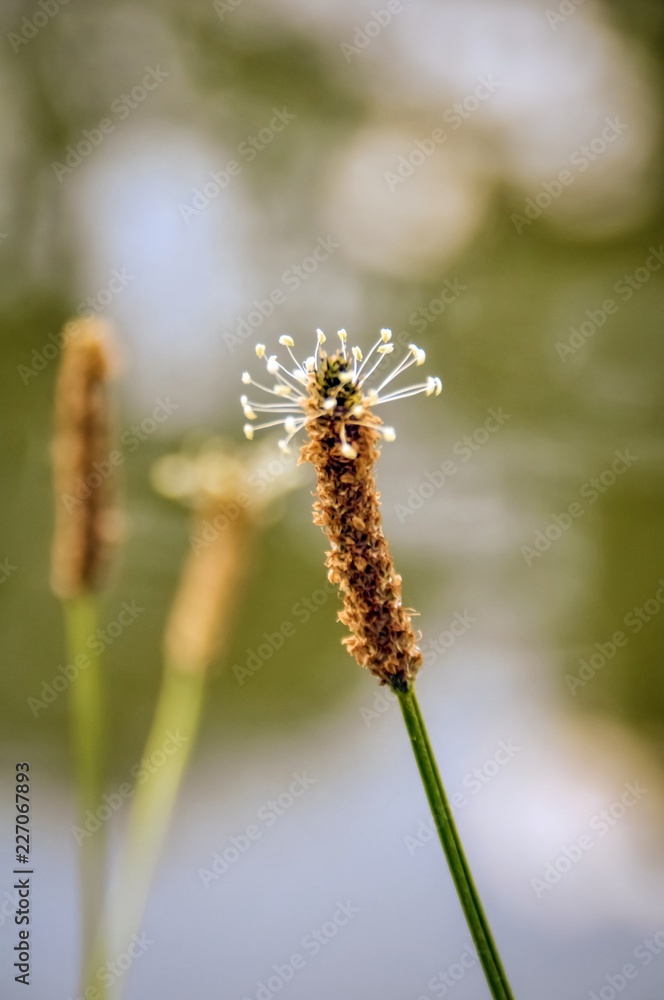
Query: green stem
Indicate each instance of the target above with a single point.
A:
(451, 842)
(169, 745)
(86, 704)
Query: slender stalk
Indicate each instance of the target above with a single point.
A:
(451, 843)
(88, 740)
(200, 621)
(169, 745)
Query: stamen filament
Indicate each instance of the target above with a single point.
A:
(406, 362)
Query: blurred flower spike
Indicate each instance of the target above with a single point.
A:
(217, 472)
(233, 492)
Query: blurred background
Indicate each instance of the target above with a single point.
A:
(485, 179)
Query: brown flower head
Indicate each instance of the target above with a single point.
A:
(86, 520)
(328, 395)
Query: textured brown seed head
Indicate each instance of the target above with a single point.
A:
(348, 509)
(85, 516)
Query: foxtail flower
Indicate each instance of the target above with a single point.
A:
(333, 398)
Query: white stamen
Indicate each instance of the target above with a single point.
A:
(294, 388)
(270, 423)
(275, 368)
(285, 407)
(413, 390)
(375, 346)
(385, 349)
(410, 359)
(347, 449)
(289, 343)
(320, 339)
(282, 391)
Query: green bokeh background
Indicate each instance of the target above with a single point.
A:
(496, 346)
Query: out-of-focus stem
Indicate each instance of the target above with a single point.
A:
(199, 624)
(167, 751)
(88, 741)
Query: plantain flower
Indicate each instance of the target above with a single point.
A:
(333, 398)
